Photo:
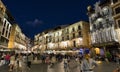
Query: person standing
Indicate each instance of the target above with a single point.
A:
(2, 61)
(88, 64)
(7, 59)
(12, 62)
(29, 60)
(65, 61)
(73, 65)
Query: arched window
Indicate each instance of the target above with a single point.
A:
(79, 27)
(74, 43)
(67, 37)
(73, 35)
(67, 30)
(73, 29)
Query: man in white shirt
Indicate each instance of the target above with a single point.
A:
(88, 64)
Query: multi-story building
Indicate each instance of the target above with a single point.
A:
(11, 36)
(77, 35)
(17, 39)
(115, 5)
(103, 24)
(28, 43)
(2, 13)
(6, 29)
(66, 37)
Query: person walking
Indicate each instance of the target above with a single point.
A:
(65, 64)
(88, 64)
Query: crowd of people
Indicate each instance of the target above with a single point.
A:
(16, 61)
(20, 61)
(72, 63)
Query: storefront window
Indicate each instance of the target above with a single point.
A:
(97, 50)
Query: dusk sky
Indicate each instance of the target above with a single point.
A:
(35, 16)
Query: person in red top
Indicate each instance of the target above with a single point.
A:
(7, 59)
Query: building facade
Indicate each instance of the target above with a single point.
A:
(2, 13)
(11, 36)
(17, 40)
(6, 29)
(103, 26)
(68, 37)
(115, 5)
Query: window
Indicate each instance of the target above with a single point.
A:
(4, 23)
(10, 29)
(67, 37)
(117, 10)
(100, 25)
(53, 40)
(7, 26)
(2, 40)
(62, 31)
(67, 30)
(46, 39)
(50, 38)
(119, 23)
(3, 31)
(6, 33)
(74, 43)
(73, 35)
(80, 34)
(62, 38)
(0, 19)
(73, 29)
(79, 27)
(46, 46)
